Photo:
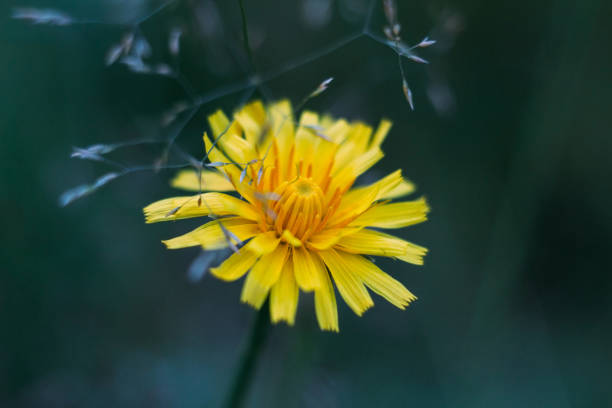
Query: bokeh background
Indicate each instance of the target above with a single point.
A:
(510, 141)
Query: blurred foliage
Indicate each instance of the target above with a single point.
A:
(514, 306)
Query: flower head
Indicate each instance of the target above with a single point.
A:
(296, 222)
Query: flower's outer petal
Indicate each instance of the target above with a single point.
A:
(394, 215)
(391, 186)
(267, 270)
(253, 293)
(281, 131)
(251, 118)
(198, 206)
(212, 236)
(355, 145)
(350, 285)
(328, 238)
(381, 133)
(358, 165)
(234, 146)
(208, 181)
(325, 299)
(353, 206)
(214, 154)
(305, 267)
(338, 131)
(405, 187)
(263, 243)
(235, 266)
(304, 138)
(244, 189)
(323, 159)
(220, 125)
(369, 242)
(230, 141)
(284, 297)
(380, 282)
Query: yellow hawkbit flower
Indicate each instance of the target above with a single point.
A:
(303, 223)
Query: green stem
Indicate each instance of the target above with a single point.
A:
(245, 35)
(248, 362)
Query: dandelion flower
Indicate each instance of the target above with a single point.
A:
(296, 221)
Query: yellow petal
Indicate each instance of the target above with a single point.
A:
(281, 131)
(288, 237)
(235, 266)
(353, 205)
(306, 269)
(350, 285)
(338, 131)
(229, 138)
(394, 215)
(212, 236)
(383, 187)
(328, 237)
(263, 243)
(414, 254)
(354, 145)
(381, 133)
(198, 206)
(284, 297)
(221, 126)
(405, 187)
(380, 282)
(267, 270)
(323, 160)
(304, 138)
(356, 166)
(208, 181)
(214, 154)
(253, 293)
(325, 301)
(251, 118)
(369, 242)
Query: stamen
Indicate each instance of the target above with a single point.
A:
(299, 207)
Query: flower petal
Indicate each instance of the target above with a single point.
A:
(253, 293)
(355, 145)
(251, 118)
(198, 206)
(267, 270)
(381, 133)
(350, 285)
(284, 297)
(264, 243)
(208, 181)
(405, 187)
(212, 236)
(378, 281)
(325, 301)
(306, 269)
(352, 206)
(281, 131)
(391, 186)
(394, 215)
(357, 166)
(235, 266)
(369, 242)
(328, 237)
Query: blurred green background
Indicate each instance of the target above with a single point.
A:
(510, 142)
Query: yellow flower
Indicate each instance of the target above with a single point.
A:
(303, 224)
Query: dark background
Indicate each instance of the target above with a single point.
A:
(514, 299)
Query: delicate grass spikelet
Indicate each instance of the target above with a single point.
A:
(299, 222)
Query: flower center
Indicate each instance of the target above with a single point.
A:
(299, 208)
